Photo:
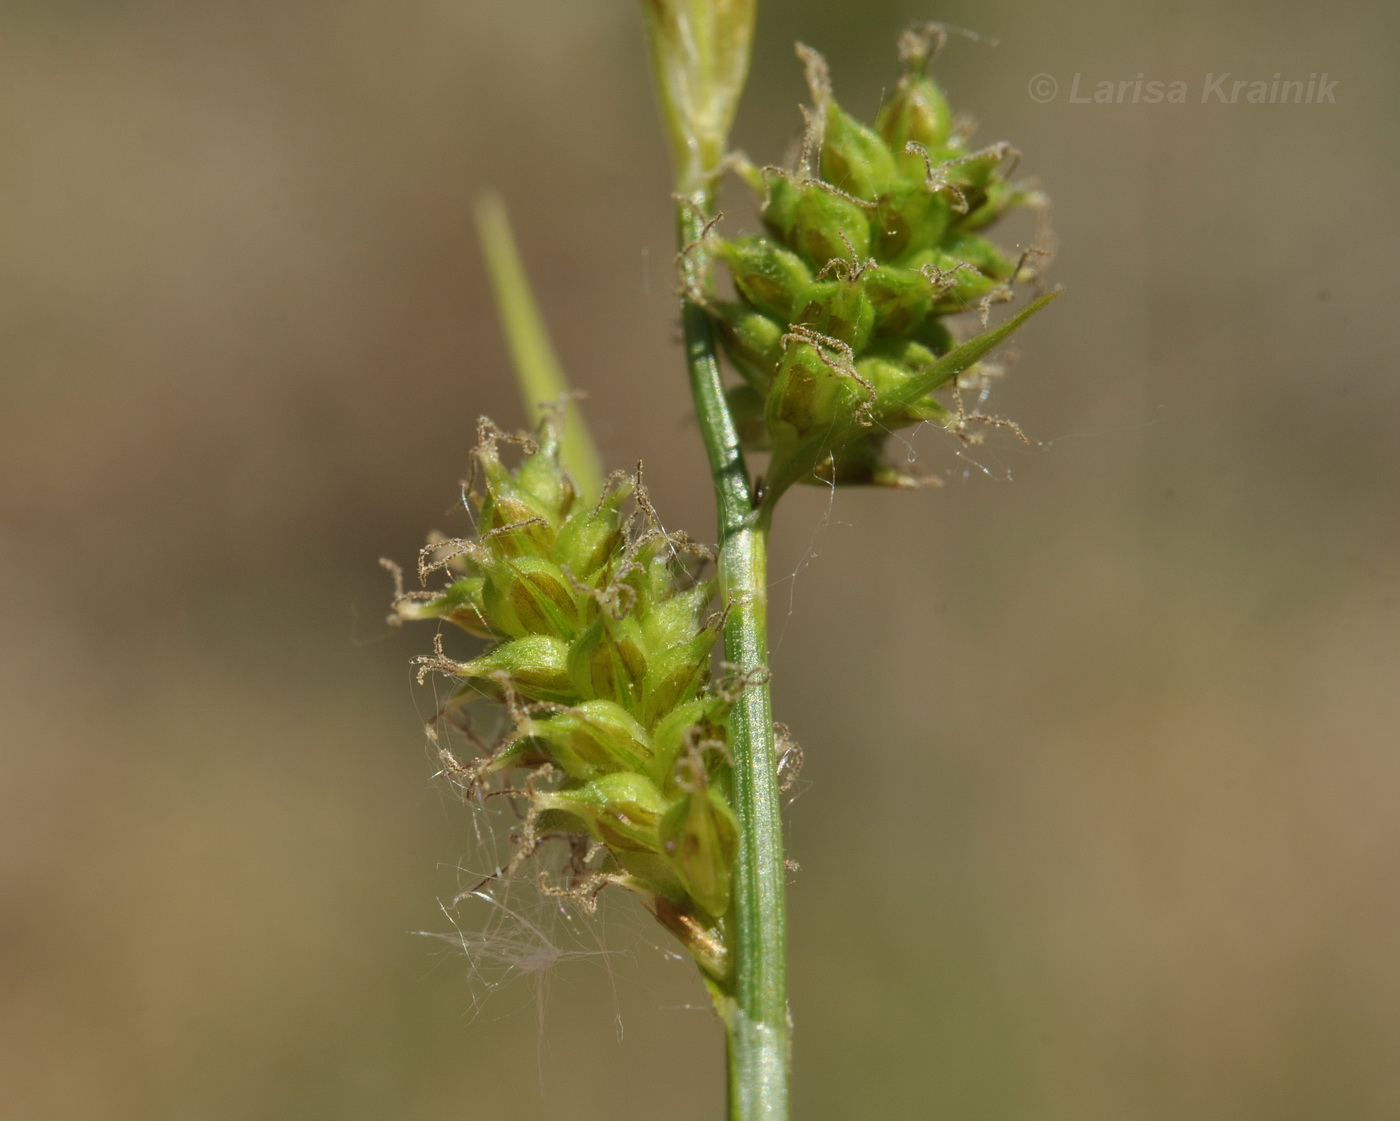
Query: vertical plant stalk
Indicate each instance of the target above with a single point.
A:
(754, 1008)
(700, 53)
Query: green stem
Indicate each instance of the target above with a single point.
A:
(754, 1006)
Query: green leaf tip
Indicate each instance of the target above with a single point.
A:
(538, 374)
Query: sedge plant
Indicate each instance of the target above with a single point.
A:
(620, 741)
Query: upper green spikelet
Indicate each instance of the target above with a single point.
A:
(869, 244)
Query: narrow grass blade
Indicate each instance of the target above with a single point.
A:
(537, 371)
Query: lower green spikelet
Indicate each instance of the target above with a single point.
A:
(600, 634)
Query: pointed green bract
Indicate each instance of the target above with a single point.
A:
(801, 450)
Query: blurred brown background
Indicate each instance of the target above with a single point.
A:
(1098, 820)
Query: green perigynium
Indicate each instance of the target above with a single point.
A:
(600, 636)
(838, 327)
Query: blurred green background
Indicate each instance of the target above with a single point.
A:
(1098, 818)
